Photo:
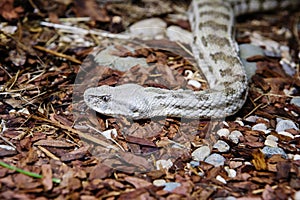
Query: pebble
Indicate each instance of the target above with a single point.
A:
(259, 127)
(194, 163)
(286, 134)
(246, 51)
(297, 195)
(296, 101)
(223, 132)
(152, 28)
(225, 198)
(283, 125)
(159, 182)
(230, 172)
(225, 123)
(221, 179)
(272, 137)
(290, 156)
(250, 50)
(24, 111)
(235, 164)
(252, 118)
(234, 136)
(271, 143)
(286, 65)
(215, 160)
(7, 147)
(270, 151)
(297, 157)
(170, 186)
(8, 29)
(221, 146)
(201, 153)
(163, 164)
(241, 123)
(247, 163)
(176, 33)
(194, 83)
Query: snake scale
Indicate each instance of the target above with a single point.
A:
(216, 54)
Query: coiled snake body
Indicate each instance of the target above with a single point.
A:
(215, 52)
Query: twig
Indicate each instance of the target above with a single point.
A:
(58, 54)
(79, 133)
(72, 29)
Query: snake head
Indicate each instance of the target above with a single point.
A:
(122, 100)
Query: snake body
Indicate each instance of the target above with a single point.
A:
(216, 54)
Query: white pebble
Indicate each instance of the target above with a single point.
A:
(271, 143)
(247, 163)
(194, 83)
(7, 147)
(259, 127)
(234, 136)
(223, 132)
(252, 118)
(290, 156)
(163, 164)
(8, 29)
(241, 123)
(286, 134)
(221, 146)
(159, 182)
(201, 153)
(283, 125)
(297, 195)
(294, 113)
(297, 157)
(230, 172)
(272, 137)
(24, 111)
(221, 179)
(215, 160)
(225, 123)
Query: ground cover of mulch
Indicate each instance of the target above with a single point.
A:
(75, 153)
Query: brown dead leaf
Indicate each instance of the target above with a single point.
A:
(8, 11)
(89, 8)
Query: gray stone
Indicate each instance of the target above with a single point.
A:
(148, 28)
(201, 153)
(221, 146)
(234, 136)
(176, 33)
(270, 151)
(296, 101)
(170, 186)
(215, 160)
(283, 125)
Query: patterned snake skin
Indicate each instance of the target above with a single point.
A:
(216, 54)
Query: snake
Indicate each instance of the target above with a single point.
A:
(216, 53)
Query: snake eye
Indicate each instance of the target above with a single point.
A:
(105, 98)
